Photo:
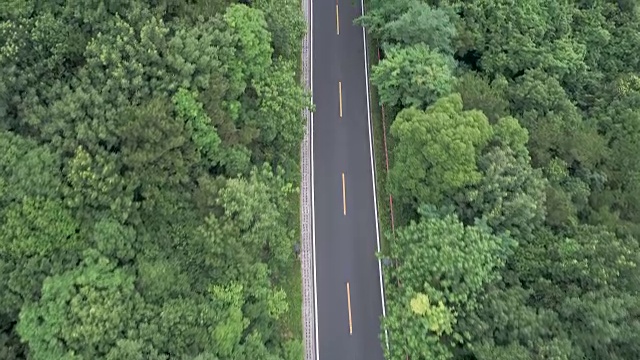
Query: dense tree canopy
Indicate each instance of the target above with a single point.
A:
(517, 182)
(148, 156)
(435, 153)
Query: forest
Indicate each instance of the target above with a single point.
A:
(149, 179)
(514, 149)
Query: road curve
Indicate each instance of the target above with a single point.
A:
(349, 296)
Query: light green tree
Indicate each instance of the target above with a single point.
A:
(82, 312)
(443, 268)
(424, 24)
(413, 76)
(436, 151)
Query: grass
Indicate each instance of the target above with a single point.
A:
(292, 319)
(382, 195)
(291, 282)
(290, 323)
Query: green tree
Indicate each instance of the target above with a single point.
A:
(520, 331)
(412, 76)
(82, 312)
(286, 24)
(477, 93)
(555, 125)
(279, 116)
(114, 240)
(380, 14)
(443, 267)
(411, 22)
(513, 36)
(511, 194)
(130, 131)
(202, 131)
(436, 151)
(38, 239)
(618, 122)
(586, 273)
(251, 43)
(556, 171)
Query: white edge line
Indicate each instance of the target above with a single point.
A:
(313, 195)
(373, 175)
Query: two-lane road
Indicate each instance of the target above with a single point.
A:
(348, 279)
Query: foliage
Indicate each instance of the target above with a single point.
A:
(286, 25)
(148, 151)
(412, 76)
(534, 139)
(411, 22)
(443, 268)
(436, 151)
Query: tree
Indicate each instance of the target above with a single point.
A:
(95, 184)
(520, 330)
(478, 94)
(423, 24)
(382, 13)
(443, 267)
(27, 169)
(114, 240)
(129, 137)
(279, 115)
(556, 172)
(436, 151)
(287, 26)
(513, 36)
(511, 194)
(251, 43)
(39, 238)
(586, 273)
(82, 312)
(412, 76)
(555, 125)
(34, 225)
(203, 133)
(618, 122)
(410, 23)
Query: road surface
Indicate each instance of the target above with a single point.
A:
(347, 274)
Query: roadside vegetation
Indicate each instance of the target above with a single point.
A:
(149, 170)
(514, 165)
(382, 196)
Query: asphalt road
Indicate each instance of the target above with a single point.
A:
(348, 282)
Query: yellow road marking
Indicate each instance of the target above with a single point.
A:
(337, 21)
(340, 93)
(344, 197)
(349, 305)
